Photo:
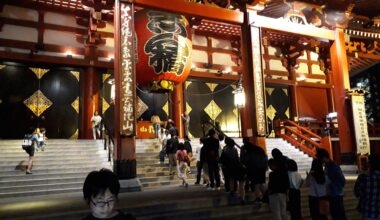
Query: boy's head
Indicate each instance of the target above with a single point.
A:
(323, 155)
(100, 190)
(292, 165)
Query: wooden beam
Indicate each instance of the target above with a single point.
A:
(288, 27)
(47, 47)
(34, 58)
(194, 9)
(215, 50)
(314, 85)
(33, 24)
(279, 82)
(206, 75)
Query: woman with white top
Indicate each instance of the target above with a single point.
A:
(317, 182)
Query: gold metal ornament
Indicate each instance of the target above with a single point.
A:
(38, 103)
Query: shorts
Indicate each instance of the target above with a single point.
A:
(31, 150)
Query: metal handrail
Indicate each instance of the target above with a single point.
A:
(108, 140)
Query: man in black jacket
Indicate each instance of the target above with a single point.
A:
(210, 154)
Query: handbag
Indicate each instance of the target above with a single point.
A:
(324, 206)
(26, 144)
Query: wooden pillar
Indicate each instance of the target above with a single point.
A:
(293, 94)
(342, 106)
(177, 108)
(125, 94)
(253, 115)
(90, 91)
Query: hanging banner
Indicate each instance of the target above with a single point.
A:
(360, 124)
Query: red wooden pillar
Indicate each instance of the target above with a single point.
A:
(342, 105)
(125, 97)
(177, 108)
(90, 92)
(253, 114)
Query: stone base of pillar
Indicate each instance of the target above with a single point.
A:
(130, 185)
(347, 158)
(125, 169)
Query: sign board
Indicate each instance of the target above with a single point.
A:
(360, 124)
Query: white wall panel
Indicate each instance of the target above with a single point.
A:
(61, 19)
(61, 38)
(19, 13)
(199, 40)
(222, 44)
(199, 56)
(19, 33)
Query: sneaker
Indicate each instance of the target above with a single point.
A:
(186, 185)
(196, 183)
(28, 172)
(217, 188)
(210, 188)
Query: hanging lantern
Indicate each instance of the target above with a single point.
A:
(164, 49)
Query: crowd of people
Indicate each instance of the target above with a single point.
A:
(219, 160)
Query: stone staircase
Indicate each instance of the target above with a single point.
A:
(303, 160)
(151, 173)
(61, 168)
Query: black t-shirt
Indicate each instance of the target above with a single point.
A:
(119, 216)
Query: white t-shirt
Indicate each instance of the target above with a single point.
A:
(96, 119)
(295, 180)
(198, 152)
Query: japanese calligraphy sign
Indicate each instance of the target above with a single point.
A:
(127, 81)
(164, 47)
(360, 124)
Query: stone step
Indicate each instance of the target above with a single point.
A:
(39, 187)
(44, 181)
(22, 177)
(47, 171)
(58, 165)
(43, 191)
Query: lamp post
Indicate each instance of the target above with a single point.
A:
(239, 99)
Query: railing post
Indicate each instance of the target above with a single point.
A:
(326, 144)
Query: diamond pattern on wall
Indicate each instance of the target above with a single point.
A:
(285, 91)
(75, 105)
(212, 86)
(287, 113)
(75, 135)
(76, 74)
(271, 112)
(213, 110)
(166, 108)
(269, 90)
(187, 84)
(106, 76)
(141, 107)
(39, 72)
(2, 66)
(38, 103)
(188, 108)
(105, 105)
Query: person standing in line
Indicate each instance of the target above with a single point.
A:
(182, 158)
(171, 149)
(211, 151)
(100, 190)
(256, 162)
(96, 121)
(294, 195)
(186, 122)
(189, 150)
(199, 163)
(156, 121)
(336, 185)
(278, 186)
(367, 189)
(317, 182)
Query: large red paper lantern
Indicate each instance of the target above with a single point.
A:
(164, 49)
